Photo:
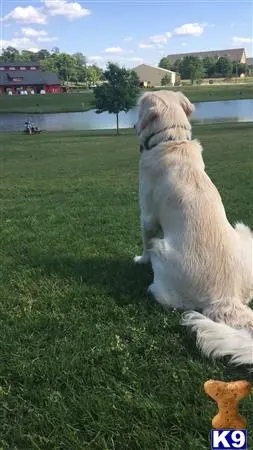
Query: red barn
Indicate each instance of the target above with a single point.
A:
(19, 76)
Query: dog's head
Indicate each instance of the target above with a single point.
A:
(163, 114)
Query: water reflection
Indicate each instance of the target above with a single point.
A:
(231, 110)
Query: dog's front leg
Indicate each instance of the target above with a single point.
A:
(149, 230)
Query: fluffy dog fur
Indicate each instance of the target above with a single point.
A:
(200, 262)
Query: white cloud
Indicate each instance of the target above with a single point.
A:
(129, 61)
(34, 49)
(156, 41)
(22, 43)
(30, 32)
(70, 10)
(242, 40)
(36, 35)
(160, 38)
(184, 44)
(128, 38)
(26, 14)
(190, 29)
(113, 50)
(27, 38)
(135, 59)
(30, 14)
(48, 39)
(95, 58)
(126, 59)
(146, 45)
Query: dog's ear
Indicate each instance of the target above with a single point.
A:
(187, 106)
(146, 119)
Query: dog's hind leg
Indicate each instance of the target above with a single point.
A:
(245, 236)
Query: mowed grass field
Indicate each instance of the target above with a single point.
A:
(84, 101)
(50, 103)
(87, 360)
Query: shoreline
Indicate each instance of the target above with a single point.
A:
(130, 131)
(208, 100)
(84, 102)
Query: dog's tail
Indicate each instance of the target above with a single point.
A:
(220, 339)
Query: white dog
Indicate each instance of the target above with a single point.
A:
(200, 262)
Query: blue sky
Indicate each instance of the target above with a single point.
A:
(129, 32)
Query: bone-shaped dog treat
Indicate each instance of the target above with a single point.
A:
(227, 397)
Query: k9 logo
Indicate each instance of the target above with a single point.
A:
(229, 439)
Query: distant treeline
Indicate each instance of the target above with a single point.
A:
(68, 67)
(194, 68)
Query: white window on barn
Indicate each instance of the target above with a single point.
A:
(2, 68)
(12, 68)
(33, 68)
(22, 68)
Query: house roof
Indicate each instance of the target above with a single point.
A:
(18, 64)
(152, 67)
(28, 78)
(235, 54)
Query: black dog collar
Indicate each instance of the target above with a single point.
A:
(169, 138)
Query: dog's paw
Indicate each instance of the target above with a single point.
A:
(144, 259)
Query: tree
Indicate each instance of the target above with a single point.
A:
(80, 63)
(209, 65)
(26, 56)
(48, 65)
(94, 74)
(42, 54)
(56, 50)
(10, 54)
(165, 63)
(166, 80)
(67, 67)
(61, 63)
(239, 68)
(119, 92)
(80, 59)
(191, 67)
(176, 65)
(224, 66)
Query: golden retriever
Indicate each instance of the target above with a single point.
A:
(200, 262)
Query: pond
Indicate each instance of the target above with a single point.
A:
(233, 110)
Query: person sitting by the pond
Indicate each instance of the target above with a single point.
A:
(30, 128)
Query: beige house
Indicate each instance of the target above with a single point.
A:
(153, 75)
(238, 55)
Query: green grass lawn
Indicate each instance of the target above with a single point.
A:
(87, 360)
(50, 103)
(73, 102)
(215, 93)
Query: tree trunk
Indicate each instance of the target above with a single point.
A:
(117, 118)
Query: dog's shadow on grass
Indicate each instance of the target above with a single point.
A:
(126, 283)
(119, 278)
